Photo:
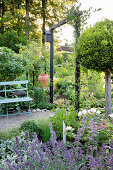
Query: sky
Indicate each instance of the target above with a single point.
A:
(66, 32)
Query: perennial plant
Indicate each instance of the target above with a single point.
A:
(33, 154)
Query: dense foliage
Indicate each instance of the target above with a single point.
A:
(31, 126)
(12, 65)
(12, 40)
(95, 46)
(70, 119)
(95, 51)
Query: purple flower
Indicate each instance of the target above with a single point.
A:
(27, 135)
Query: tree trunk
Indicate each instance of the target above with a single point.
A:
(27, 19)
(77, 62)
(43, 20)
(43, 26)
(108, 93)
(2, 15)
(19, 27)
(77, 84)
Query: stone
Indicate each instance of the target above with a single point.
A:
(38, 110)
(42, 111)
(33, 110)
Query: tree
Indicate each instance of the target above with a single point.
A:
(95, 51)
(11, 40)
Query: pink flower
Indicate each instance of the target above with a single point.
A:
(103, 123)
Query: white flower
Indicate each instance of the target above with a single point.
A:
(84, 112)
(79, 114)
(51, 116)
(93, 110)
(68, 128)
(89, 111)
(111, 115)
(98, 112)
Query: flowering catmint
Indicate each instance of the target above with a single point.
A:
(27, 135)
(32, 154)
(53, 138)
(80, 131)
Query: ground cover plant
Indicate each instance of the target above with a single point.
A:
(85, 152)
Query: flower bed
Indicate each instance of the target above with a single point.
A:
(83, 153)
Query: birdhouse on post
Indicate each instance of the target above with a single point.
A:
(48, 36)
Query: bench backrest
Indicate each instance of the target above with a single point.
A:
(5, 90)
(14, 82)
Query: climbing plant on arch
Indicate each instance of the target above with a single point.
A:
(95, 51)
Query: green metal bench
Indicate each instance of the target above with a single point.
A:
(6, 89)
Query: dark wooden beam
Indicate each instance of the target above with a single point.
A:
(59, 24)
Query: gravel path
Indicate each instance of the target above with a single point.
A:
(16, 120)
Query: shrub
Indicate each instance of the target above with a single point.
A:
(103, 129)
(40, 126)
(11, 64)
(70, 119)
(31, 126)
(39, 98)
(62, 85)
(92, 102)
(43, 123)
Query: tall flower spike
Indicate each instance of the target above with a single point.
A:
(27, 135)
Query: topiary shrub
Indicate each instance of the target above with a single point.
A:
(95, 51)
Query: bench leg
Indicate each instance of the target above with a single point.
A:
(6, 107)
(29, 109)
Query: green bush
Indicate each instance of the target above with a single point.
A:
(39, 98)
(62, 85)
(40, 126)
(12, 65)
(43, 123)
(30, 126)
(70, 119)
(63, 72)
(92, 102)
